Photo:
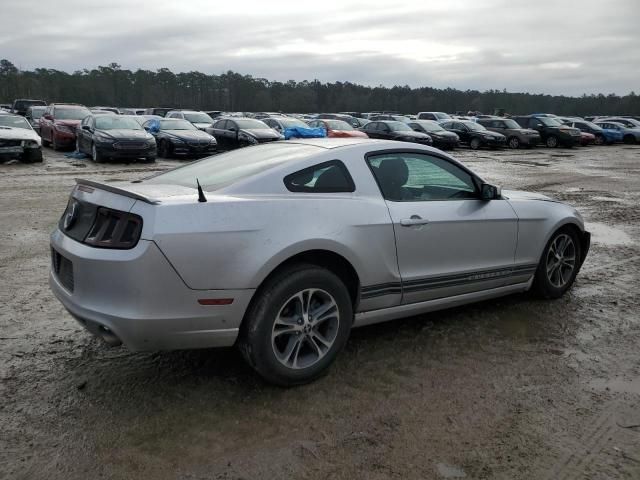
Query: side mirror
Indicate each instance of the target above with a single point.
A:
(86, 127)
(47, 116)
(490, 192)
(232, 129)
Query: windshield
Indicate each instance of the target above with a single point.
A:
(222, 170)
(473, 126)
(549, 122)
(14, 121)
(338, 125)
(398, 126)
(252, 124)
(112, 122)
(71, 113)
(511, 123)
(198, 118)
(430, 126)
(176, 124)
(401, 118)
(442, 116)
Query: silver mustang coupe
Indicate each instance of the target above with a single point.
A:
(283, 248)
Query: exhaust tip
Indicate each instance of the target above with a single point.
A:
(109, 337)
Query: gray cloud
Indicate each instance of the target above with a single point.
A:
(569, 47)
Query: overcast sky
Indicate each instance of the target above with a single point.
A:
(541, 46)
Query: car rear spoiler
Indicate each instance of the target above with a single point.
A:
(116, 190)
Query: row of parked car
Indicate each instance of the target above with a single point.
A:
(107, 133)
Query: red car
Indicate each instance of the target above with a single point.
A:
(59, 122)
(587, 138)
(337, 128)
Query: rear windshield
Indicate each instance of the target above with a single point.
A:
(220, 171)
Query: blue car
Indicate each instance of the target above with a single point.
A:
(622, 133)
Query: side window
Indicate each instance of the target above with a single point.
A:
(497, 124)
(414, 177)
(534, 122)
(327, 177)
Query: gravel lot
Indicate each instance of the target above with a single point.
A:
(516, 388)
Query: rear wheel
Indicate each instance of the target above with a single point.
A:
(297, 325)
(559, 264)
(513, 143)
(599, 139)
(475, 143)
(552, 141)
(54, 145)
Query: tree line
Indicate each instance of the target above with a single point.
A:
(231, 91)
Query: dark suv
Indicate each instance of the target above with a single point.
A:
(21, 105)
(552, 132)
(516, 135)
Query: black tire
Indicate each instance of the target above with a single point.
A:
(542, 285)
(32, 156)
(45, 143)
(600, 140)
(629, 139)
(475, 143)
(150, 159)
(54, 145)
(164, 150)
(96, 155)
(513, 143)
(255, 341)
(552, 141)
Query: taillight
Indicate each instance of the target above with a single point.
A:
(114, 229)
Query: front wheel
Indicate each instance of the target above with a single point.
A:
(475, 143)
(552, 141)
(559, 264)
(96, 155)
(297, 325)
(514, 143)
(164, 150)
(600, 140)
(629, 139)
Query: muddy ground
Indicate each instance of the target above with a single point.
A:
(515, 388)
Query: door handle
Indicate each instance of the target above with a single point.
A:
(413, 221)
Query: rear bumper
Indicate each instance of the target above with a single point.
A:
(137, 297)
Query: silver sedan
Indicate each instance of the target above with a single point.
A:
(283, 248)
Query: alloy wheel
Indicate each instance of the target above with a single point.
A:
(305, 328)
(94, 153)
(561, 260)
(514, 143)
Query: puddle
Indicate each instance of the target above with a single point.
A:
(604, 234)
(450, 471)
(617, 385)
